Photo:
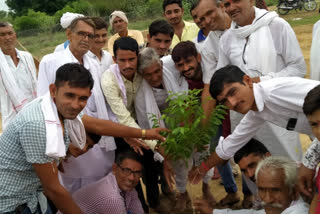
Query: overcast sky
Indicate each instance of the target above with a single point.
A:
(3, 5)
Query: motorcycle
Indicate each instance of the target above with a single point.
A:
(284, 6)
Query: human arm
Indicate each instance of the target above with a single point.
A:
(288, 49)
(109, 128)
(48, 175)
(313, 205)
(308, 168)
(207, 102)
(226, 148)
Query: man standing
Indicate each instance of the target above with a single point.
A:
(103, 58)
(276, 181)
(183, 31)
(119, 23)
(17, 75)
(114, 193)
(279, 55)
(160, 37)
(187, 61)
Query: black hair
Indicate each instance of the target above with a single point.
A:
(161, 26)
(128, 154)
(183, 50)
(312, 101)
(125, 43)
(194, 5)
(254, 147)
(100, 23)
(168, 2)
(227, 74)
(75, 75)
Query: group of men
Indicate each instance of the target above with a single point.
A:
(77, 136)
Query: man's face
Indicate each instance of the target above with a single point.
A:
(69, 101)
(153, 75)
(118, 25)
(314, 121)
(173, 13)
(160, 42)
(273, 191)
(80, 36)
(8, 38)
(189, 67)
(200, 23)
(238, 97)
(127, 174)
(127, 61)
(100, 39)
(211, 15)
(240, 11)
(248, 165)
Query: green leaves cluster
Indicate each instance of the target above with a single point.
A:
(184, 117)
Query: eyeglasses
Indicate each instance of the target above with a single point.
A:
(85, 34)
(128, 172)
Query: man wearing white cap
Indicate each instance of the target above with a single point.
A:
(119, 22)
(65, 22)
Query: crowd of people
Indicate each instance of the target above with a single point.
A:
(78, 136)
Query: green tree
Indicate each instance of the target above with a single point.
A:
(3, 14)
(20, 7)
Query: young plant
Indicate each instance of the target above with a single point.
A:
(183, 117)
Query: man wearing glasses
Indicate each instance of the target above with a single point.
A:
(115, 193)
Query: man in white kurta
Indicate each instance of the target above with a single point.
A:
(264, 46)
(97, 162)
(17, 75)
(278, 101)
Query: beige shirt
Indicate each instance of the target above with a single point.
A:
(135, 34)
(125, 113)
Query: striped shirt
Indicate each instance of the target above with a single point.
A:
(23, 143)
(104, 196)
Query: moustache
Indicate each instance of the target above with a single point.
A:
(128, 69)
(273, 205)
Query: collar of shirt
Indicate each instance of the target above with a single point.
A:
(201, 37)
(258, 96)
(92, 55)
(84, 58)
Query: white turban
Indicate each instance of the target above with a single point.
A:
(67, 18)
(119, 14)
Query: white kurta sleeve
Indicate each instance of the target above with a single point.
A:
(246, 130)
(288, 50)
(209, 63)
(315, 52)
(43, 80)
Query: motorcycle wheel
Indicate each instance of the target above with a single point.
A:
(310, 5)
(282, 8)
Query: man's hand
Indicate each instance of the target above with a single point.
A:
(75, 151)
(168, 174)
(196, 174)
(305, 180)
(136, 144)
(202, 206)
(153, 134)
(255, 79)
